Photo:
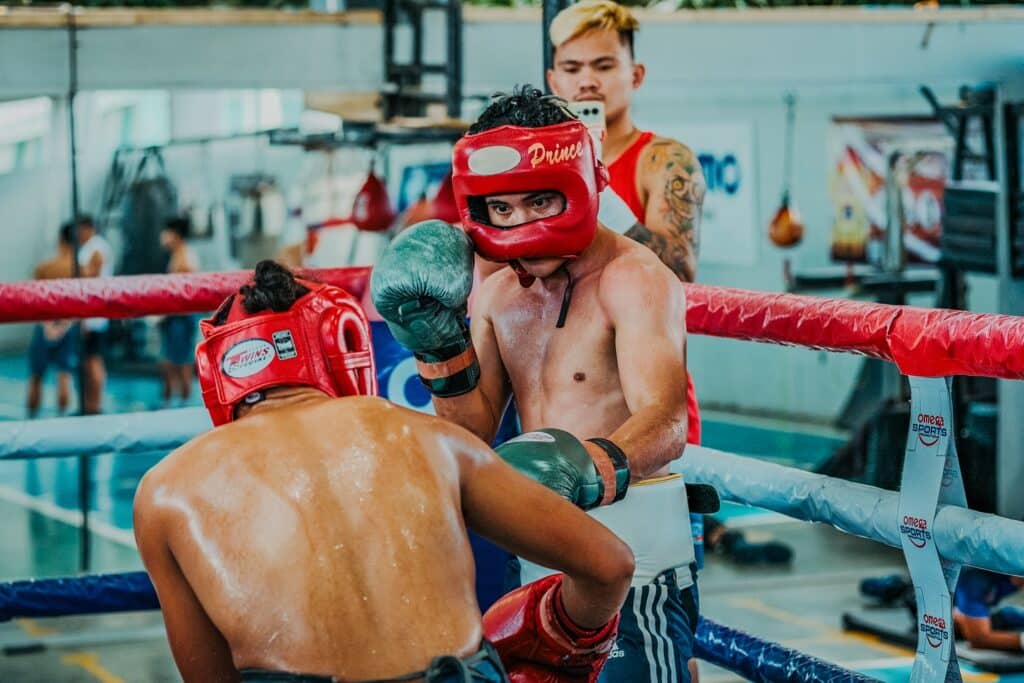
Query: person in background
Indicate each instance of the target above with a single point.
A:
(978, 618)
(54, 341)
(178, 332)
(95, 259)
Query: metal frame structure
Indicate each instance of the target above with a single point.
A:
(404, 95)
(549, 8)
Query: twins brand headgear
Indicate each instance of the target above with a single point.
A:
(322, 341)
(514, 159)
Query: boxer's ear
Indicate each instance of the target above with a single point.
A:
(639, 74)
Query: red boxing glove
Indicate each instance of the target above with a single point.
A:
(539, 643)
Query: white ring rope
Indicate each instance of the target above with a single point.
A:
(964, 536)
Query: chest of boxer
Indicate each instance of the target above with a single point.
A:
(561, 377)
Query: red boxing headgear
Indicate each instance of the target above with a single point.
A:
(514, 159)
(322, 341)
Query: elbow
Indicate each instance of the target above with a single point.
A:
(679, 428)
(975, 637)
(979, 642)
(618, 568)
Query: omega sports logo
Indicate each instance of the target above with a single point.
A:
(246, 358)
(929, 428)
(916, 531)
(934, 629)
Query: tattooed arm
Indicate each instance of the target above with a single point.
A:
(671, 178)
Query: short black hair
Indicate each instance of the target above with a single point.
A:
(180, 225)
(66, 235)
(85, 220)
(274, 288)
(525, 106)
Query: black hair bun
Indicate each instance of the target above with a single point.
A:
(274, 288)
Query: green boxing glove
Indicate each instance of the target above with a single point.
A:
(560, 461)
(421, 286)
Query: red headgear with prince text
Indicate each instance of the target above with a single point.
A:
(322, 341)
(515, 159)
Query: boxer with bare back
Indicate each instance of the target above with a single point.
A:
(319, 533)
(585, 328)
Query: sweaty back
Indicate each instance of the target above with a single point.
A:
(321, 535)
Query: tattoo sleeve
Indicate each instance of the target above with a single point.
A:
(677, 254)
(673, 212)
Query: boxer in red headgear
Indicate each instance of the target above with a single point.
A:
(493, 168)
(322, 530)
(600, 384)
(321, 341)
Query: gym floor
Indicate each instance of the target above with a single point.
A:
(798, 605)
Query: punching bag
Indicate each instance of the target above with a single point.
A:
(372, 210)
(150, 200)
(786, 228)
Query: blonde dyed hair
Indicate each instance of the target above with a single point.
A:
(590, 15)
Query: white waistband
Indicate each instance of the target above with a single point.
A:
(654, 520)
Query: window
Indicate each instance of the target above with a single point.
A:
(24, 125)
(135, 118)
(246, 111)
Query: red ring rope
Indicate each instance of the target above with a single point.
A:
(921, 341)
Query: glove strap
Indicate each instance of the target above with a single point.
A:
(450, 371)
(614, 471)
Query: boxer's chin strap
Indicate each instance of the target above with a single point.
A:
(525, 279)
(566, 298)
(250, 399)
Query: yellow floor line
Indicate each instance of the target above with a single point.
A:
(876, 642)
(755, 605)
(829, 633)
(825, 638)
(91, 663)
(32, 627)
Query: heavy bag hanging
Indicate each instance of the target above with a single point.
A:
(372, 209)
(150, 200)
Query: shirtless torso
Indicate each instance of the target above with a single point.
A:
(183, 260)
(621, 351)
(327, 537)
(60, 266)
(356, 539)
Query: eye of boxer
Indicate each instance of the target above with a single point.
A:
(512, 210)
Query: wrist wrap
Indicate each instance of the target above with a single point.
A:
(451, 370)
(614, 478)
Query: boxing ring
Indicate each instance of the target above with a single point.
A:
(928, 518)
